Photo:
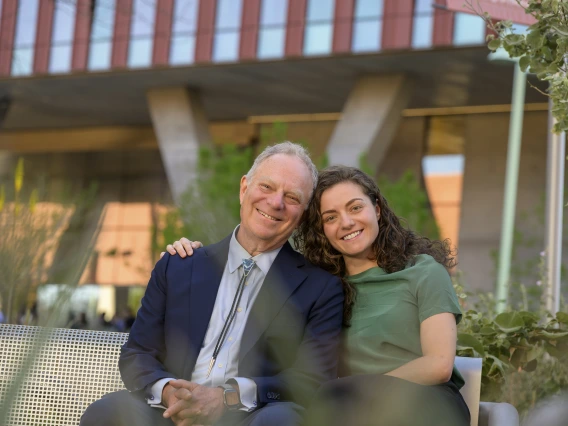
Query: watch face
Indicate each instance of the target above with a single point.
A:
(232, 398)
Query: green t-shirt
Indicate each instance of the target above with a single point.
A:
(385, 327)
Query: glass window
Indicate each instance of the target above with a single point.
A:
(468, 29)
(319, 27)
(100, 47)
(367, 27)
(272, 31)
(142, 34)
(443, 164)
(182, 48)
(443, 167)
(520, 29)
(423, 24)
(26, 25)
(227, 30)
(62, 37)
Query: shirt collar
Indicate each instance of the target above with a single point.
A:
(237, 253)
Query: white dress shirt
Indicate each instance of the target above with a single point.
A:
(227, 363)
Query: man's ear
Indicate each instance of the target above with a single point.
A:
(243, 190)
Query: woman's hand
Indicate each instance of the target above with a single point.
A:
(183, 247)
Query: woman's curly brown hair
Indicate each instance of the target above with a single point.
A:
(394, 248)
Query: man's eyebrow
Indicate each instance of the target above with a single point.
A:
(346, 205)
(267, 179)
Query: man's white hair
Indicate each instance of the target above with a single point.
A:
(287, 148)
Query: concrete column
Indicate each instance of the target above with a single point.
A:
(181, 128)
(406, 150)
(370, 119)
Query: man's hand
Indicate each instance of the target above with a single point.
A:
(183, 247)
(195, 404)
(168, 397)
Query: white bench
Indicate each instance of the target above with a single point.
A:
(483, 413)
(69, 369)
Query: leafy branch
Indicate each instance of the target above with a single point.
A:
(543, 49)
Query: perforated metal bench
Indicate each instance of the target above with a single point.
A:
(73, 368)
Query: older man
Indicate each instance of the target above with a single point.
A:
(245, 330)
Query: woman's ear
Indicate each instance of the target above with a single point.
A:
(378, 209)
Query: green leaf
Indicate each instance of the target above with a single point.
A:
(33, 200)
(498, 367)
(562, 317)
(19, 175)
(535, 40)
(533, 353)
(552, 335)
(524, 63)
(509, 322)
(530, 318)
(514, 39)
(487, 331)
(552, 350)
(467, 341)
(494, 44)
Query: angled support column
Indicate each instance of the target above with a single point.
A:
(7, 158)
(369, 121)
(181, 129)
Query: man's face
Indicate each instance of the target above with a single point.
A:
(273, 202)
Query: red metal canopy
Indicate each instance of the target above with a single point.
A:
(499, 10)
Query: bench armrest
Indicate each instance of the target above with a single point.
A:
(497, 414)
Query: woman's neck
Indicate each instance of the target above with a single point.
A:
(355, 265)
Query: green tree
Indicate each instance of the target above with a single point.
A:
(543, 48)
(210, 208)
(31, 230)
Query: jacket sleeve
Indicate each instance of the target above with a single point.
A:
(140, 361)
(317, 355)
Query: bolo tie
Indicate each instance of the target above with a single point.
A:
(248, 265)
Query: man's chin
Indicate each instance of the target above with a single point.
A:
(269, 236)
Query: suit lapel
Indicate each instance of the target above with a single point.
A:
(205, 281)
(282, 279)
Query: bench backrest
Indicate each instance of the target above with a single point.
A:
(73, 368)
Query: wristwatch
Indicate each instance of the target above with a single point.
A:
(231, 398)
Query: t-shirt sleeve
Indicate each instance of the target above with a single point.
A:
(435, 292)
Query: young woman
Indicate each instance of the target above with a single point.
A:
(401, 310)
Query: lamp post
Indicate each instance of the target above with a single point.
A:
(511, 178)
(554, 211)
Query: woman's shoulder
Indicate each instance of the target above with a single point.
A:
(425, 261)
(425, 269)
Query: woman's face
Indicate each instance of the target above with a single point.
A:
(350, 219)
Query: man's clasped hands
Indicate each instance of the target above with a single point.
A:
(190, 404)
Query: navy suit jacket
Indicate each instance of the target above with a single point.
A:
(289, 345)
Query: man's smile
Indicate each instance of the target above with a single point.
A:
(268, 216)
